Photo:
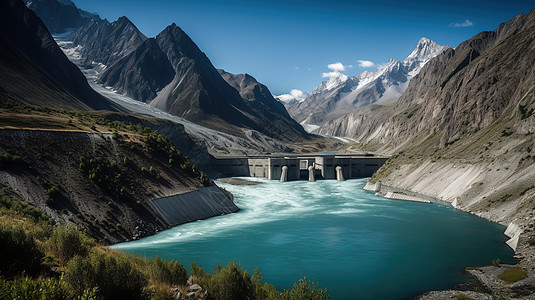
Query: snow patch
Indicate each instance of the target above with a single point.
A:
(310, 127)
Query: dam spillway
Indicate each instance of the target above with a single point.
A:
(296, 167)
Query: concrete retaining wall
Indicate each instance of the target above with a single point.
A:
(203, 203)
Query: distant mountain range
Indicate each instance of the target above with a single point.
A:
(342, 94)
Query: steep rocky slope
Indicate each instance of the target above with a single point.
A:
(26, 32)
(100, 173)
(259, 98)
(197, 92)
(142, 74)
(59, 16)
(105, 43)
(22, 80)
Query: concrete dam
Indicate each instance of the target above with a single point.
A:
(299, 167)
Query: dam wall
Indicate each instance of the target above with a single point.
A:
(298, 166)
(203, 203)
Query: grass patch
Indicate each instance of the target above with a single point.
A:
(461, 296)
(514, 274)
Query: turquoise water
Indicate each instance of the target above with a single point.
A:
(356, 244)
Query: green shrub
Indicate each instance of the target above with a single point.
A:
(496, 262)
(18, 252)
(196, 270)
(20, 207)
(231, 282)
(263, 290)
(170, 272)
(67, 242)
(51, 195)
(305, 290)
(204, 179)
(27, 288)
(514, 274)
(115, 276)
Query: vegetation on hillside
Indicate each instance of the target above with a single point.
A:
(95, 158)
(40, 260)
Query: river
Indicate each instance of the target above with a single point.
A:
(357, 245)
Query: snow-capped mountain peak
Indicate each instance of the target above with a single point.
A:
(424, 51)
(335, 81)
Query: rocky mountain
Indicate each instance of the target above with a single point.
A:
(463, 129)
(197, 92)
(141, 74)
(105, 43)
(21, 80)
(172, 74)
(260, 99)
(194, 90)
(100, 42)
(25, 32)
(341, 94)
(59, 15)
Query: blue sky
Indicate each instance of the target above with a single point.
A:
(288, 44)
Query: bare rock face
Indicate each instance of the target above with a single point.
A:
(197, 92)
(26, 32)
(59, 16)
(142, 74)
(106, 43)
(259, 99)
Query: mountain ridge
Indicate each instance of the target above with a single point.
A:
(49, 10)
(148, 71)
(105, 43)
(26, 32)
(338, 95)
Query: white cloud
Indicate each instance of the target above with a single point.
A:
(365, 63)
(332, 74)
(466, 23)
(337, 67)
(293, 95)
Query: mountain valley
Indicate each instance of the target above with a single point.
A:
(98, 122)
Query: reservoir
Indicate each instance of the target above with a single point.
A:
(357, 245)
